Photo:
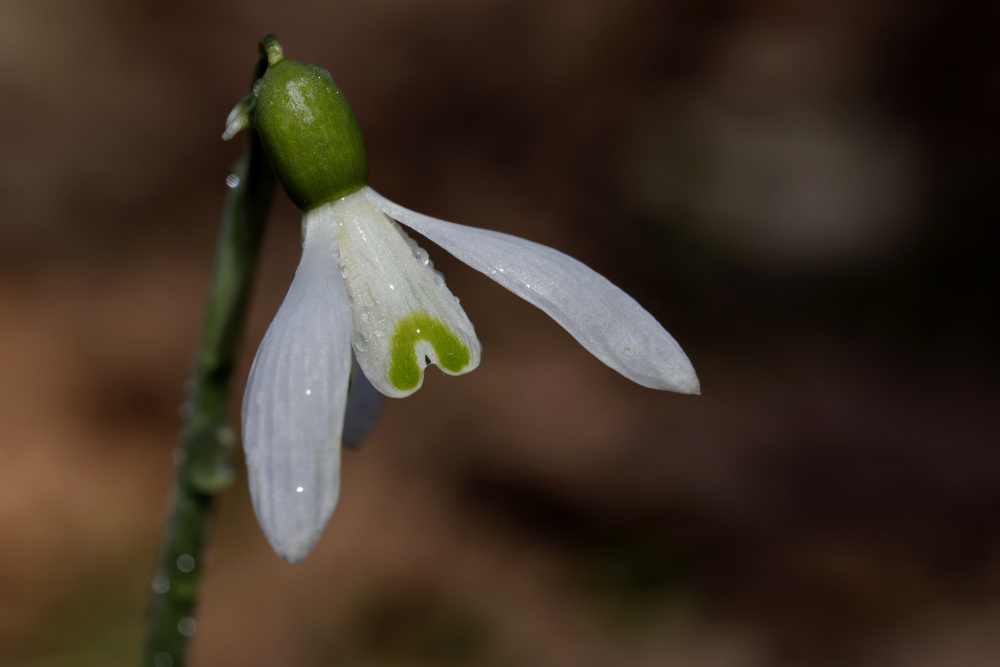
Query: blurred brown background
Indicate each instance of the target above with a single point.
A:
(801, 193)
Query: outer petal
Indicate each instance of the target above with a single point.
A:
(606, 320)
(404, 316)
(293, 409)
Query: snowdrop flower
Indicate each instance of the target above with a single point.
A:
(364, 285)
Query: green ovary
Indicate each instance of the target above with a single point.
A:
(452, 354)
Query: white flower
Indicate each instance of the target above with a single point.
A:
(364, 286)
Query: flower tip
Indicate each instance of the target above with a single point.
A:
(293, 556)
(270, 48)
(292, 534)
(690, 382)
(293, 552)
(681, 379)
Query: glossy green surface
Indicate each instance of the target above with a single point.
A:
(406, 370)
(309, 132)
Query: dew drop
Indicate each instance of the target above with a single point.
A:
(299, 489)
(420, 255)
(309, 392)
(438, 279)
(187, 626)
(185, 563)
(360, 343)
(232, 180)
(160, 584)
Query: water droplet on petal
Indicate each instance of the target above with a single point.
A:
(360, 343)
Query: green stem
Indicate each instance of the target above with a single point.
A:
(204, 459)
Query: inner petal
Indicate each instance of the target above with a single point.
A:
(404, 316)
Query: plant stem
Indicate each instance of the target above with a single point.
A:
(204, 458)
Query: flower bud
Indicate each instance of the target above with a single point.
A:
(308, 130)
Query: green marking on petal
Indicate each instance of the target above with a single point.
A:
(452, 354)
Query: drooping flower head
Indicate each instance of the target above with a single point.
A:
(365, 290)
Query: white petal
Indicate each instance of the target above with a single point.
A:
(293, 409)
(404, 316)
(606, 320)
(364, 402)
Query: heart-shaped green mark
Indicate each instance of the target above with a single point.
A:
(452, 354)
